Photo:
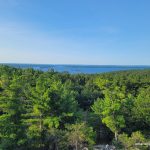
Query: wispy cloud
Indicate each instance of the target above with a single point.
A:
(109, 30)
(21, 43)
(27, 45)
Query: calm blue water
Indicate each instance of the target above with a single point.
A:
(90, 69)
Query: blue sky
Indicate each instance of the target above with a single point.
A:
(101, 32)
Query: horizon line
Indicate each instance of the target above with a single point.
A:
(73, 64)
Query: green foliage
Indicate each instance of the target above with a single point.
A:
(109, 111)
(78, 134)
(141, 108)
(51, 110)
(12, 104)
(129, 143)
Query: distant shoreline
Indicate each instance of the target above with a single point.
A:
(92, 65)
(78, 69)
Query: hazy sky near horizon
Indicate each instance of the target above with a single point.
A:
(102, 32)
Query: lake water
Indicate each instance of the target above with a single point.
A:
(90, 69)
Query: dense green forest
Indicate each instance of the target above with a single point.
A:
(62, 111)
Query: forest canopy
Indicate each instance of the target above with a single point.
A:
(61, 111)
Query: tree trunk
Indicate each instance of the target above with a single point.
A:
(40, 127)
(116, 136)
(76, 145)
(56, 146)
